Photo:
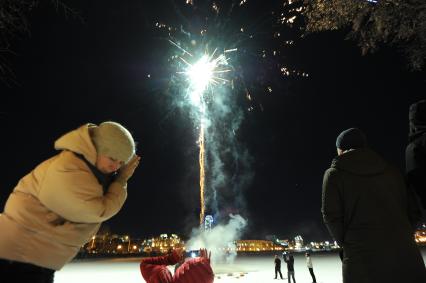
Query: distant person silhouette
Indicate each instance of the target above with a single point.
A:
(289, 259)
(415, 153)
(56, 208)
(277, 262)
(310, 266)
(366, 207)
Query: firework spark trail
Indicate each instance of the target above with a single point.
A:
(202, 174)
(204, 73)
(180, 48)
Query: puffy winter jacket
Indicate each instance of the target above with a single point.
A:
(194, 270)
(55, 209)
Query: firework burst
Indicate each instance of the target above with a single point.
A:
(248, 57)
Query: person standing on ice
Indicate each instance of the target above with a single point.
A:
(310, 266)
(289, 259)
(191, 270)
(366, 207)
(415, 153)
(277, 262)
(56, 208)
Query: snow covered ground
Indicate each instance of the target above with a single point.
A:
(250, 269)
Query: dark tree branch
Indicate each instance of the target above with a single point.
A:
(400, 23)
(14, 23)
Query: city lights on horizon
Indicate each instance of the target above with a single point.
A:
(124, 244)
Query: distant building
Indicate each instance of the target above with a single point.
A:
(162, 244)
(298, 242)
(322, 246)
(257, 246)
(420, 235)
(112, 244)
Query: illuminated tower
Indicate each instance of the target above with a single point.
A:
(208, 223)
(298, 242)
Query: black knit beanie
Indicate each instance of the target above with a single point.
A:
(352, 138)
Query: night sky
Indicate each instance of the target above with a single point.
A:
(71, 71)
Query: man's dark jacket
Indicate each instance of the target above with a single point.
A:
(277, 263)
(290, 262)
(415, 157)
(415, 153)
(367, 210)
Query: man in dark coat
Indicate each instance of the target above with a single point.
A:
(289, 259)
(277, 262)
(415, 153)
(366, 209)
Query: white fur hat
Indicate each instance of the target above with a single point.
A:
(113, 140)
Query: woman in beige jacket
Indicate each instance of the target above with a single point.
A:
(60, 205)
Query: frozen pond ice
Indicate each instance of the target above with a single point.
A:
(250, 269)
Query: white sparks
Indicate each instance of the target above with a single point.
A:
(205, 72)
